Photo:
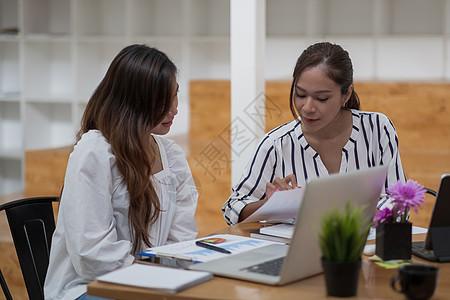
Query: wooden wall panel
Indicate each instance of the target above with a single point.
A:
(210, 155)
(277, 104)
(421, 114)
(45, 170)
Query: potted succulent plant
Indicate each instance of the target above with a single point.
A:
(342, 237)
(393, 230)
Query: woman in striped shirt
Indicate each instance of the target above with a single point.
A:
(329, 134)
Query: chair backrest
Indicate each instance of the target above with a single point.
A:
(431, 192)
(32, 223)
(5, 287)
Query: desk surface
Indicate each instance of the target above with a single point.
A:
(374, 282)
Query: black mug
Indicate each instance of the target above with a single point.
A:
(416, 281)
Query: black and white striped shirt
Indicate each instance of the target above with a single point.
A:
(284, 150)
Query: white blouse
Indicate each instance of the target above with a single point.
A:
(93, 235)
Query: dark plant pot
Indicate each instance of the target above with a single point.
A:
(341, 278)
(393, 241)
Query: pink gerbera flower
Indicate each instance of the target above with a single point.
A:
(404, 197)
(407, 195)
(383, 215)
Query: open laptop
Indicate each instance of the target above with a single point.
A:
(301, 258)
(436, 246)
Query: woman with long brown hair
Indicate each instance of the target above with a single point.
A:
(126, 188)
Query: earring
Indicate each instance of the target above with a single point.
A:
(343, 104)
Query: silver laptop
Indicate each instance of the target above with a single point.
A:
(301, 258)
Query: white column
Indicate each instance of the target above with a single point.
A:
(247, 81)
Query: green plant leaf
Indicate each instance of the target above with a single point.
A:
(343, 234)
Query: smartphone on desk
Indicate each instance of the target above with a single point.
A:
(167, 262)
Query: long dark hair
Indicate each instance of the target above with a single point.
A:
(134, 97)
(336, 64)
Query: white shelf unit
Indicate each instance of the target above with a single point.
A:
(47, 70)
(53, 53)
(11, 129)
(387, 39)
(93, 59)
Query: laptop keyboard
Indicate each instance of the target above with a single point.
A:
(271, 267)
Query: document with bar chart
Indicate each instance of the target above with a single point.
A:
(188, 250)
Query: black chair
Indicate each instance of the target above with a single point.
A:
(431, 192)
(5, 287)
(32, 223)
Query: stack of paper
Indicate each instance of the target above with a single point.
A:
(281, 230)
(279, 233)
(284, 232)
(283, 205)
(162, 279)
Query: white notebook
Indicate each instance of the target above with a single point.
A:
(281, 230)
(168, 280)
